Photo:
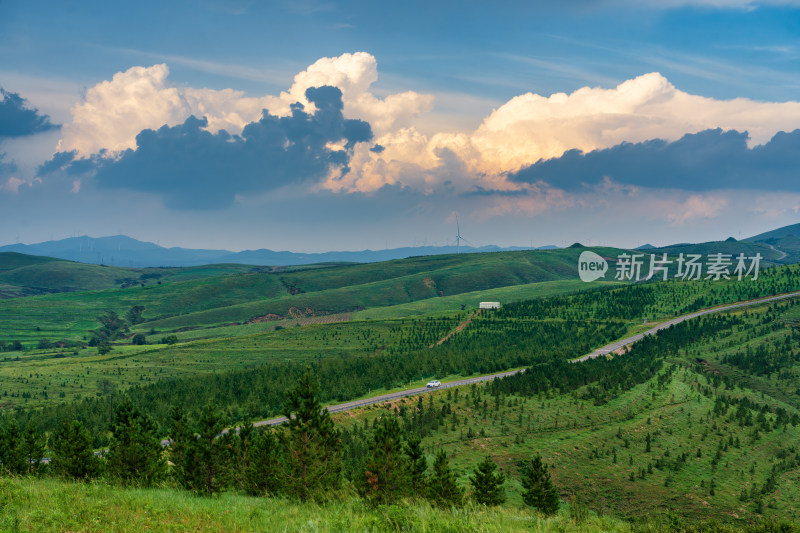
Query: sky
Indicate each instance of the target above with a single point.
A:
(315, 125)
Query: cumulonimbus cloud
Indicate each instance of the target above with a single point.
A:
(113, 112)
(193, 168)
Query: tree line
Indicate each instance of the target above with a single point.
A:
(301, 459)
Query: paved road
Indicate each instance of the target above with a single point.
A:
(630, 340)
(783, 254)
(355, 404)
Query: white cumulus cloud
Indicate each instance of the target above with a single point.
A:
(353, 74)
(530, 127)
(115, 111)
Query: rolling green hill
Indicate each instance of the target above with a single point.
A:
(240, 298)
(24, 275)
(785, 231)
(12, 260)
(217, 296)
(710, 434)
(730, 246)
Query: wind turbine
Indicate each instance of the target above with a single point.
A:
(459, 238)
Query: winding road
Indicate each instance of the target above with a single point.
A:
(597, 353)
(614, 346)
(783, 254)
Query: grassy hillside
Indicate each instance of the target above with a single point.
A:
(787, 244)
(12, 260)
(256, 361)
(287, 293)
(33, 273)
(48, 505)
(224, 295)
(732, 247)
(704, 438)
(793, 229)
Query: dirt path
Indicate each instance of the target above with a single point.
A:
(459, 328)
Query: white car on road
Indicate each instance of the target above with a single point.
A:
(433, 384)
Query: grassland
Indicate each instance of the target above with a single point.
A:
(225, 295)
(50, 376)
(48, 505)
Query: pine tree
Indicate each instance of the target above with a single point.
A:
(135, 454)
(487, 485)
(182, 448)
(443, 490)
(386, 475)
(33, 446)
(256, 461)
(540, 493)
(210, 451)
(313, 463)
(12, 457)
(72, 451)
(418, 465)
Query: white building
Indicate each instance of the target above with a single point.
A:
(489, 305)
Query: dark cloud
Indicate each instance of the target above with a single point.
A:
(710, 159)
(17, 120)
(195, 169)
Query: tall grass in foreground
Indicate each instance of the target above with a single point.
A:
(53, 505)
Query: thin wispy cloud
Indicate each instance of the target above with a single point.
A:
(267, 75)
(563, 68)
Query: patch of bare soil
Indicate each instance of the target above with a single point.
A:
(266, 318)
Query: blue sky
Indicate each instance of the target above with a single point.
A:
(605, 122)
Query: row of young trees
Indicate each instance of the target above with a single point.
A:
(302, 459)
(603, 379)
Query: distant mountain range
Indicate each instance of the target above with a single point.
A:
(124, 251)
